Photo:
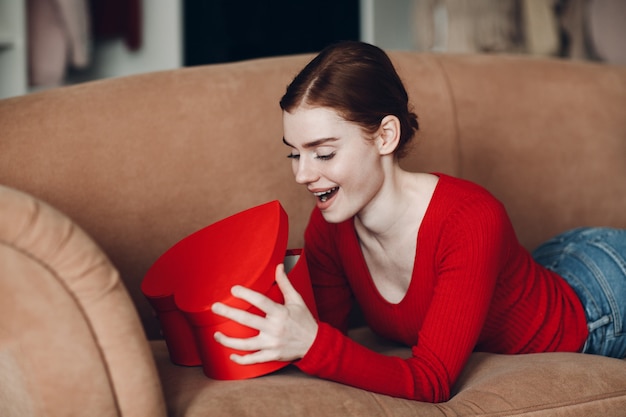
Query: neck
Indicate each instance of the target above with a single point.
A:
(387, 214)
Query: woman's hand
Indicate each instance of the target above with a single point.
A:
(285, 333)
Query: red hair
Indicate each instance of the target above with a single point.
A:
(358, 81)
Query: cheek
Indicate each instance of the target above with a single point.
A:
(294, 167)
(349, 173)
(366, 159)
(368, 170)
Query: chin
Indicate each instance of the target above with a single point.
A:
(331, 217)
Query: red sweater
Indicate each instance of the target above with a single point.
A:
(474, 287)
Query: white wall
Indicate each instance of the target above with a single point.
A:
(13, 71)
(387, 24)
(161, 49)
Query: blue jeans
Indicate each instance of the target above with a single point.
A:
(593, 262)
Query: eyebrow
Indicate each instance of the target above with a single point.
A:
(312, 144)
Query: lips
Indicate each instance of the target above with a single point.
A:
(323, 196)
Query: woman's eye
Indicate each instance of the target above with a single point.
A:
(325, 157)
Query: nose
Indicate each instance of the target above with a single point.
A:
(303, 172)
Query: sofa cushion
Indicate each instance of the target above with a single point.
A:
(70, 340)
(546, 384)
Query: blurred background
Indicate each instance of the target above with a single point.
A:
(49, 43)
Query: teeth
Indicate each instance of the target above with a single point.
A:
(323, 195)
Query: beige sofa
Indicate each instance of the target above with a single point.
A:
(132, 165)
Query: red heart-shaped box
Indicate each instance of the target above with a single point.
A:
(182, 285)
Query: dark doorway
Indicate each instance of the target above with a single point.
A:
(234, 30)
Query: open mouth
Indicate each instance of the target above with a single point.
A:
(323, 196)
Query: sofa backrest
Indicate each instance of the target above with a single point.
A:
(547, 137)
(140, 162)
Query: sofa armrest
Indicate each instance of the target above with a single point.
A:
(70, 340)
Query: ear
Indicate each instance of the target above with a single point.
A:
(388, 135)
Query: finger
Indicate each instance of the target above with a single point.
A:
(250, 344)
(240, 316)
(290, 294)
(255, 298)
(260, 356)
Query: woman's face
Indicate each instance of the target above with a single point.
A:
(335, 159)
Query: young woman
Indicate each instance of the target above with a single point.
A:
(432, 260)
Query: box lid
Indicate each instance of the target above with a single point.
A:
(243, 249)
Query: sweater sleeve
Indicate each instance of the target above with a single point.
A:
(331, 290)
(470, 249)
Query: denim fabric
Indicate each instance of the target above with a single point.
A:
(593, 262)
